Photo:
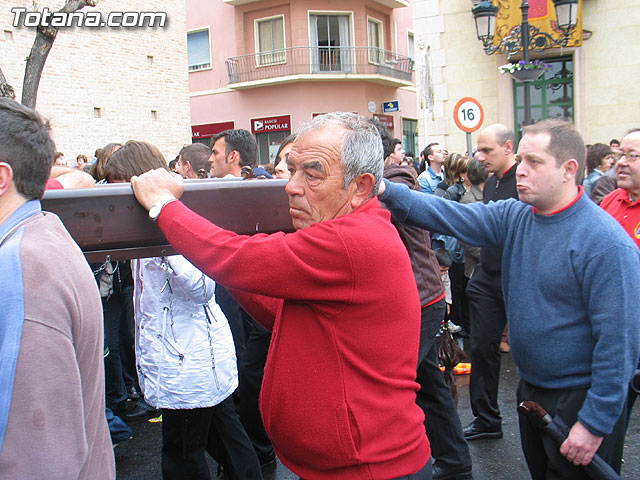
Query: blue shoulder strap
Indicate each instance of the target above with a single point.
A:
(11, 303)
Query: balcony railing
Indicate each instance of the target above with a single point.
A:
(318, 60)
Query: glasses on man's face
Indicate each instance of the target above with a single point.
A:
(629, 157)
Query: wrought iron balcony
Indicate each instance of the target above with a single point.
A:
(386, 3)
(298, 63)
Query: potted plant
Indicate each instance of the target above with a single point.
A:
(525, 71)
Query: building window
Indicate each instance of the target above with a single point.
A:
(198, 50)
(268, 145)
(551, 95)
(205, 141)
(410, 137)
(270, 41)
(330, 43)
(411, 47)
(374, 32)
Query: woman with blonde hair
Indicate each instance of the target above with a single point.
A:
(455, 165)
(98, 169)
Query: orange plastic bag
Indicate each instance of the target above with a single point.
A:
(462, 369)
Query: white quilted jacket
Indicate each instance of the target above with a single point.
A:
(184, 347)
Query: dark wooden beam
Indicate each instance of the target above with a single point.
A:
(107, 220)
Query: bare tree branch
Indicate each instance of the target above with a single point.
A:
(45, 37)
(6, 90)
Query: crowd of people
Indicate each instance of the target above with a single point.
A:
(292, 344)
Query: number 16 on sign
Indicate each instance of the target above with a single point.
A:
(468, 115)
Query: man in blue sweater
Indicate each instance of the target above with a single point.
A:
(571, 278)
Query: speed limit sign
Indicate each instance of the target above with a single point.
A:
(468, 114)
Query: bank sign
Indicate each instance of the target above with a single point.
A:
(210, 129)
(271, 124)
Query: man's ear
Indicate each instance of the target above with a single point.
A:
(233, 157)
(569, 170)
(6, 177)
(508, 147)
(363, 188)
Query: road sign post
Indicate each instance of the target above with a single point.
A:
(468, 115)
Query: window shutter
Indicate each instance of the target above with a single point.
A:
(198, 49)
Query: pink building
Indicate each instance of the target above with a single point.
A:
(270, 65)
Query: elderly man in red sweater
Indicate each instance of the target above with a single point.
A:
(339, 390)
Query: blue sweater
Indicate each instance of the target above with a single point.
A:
(571, 286)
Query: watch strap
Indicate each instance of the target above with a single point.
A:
(156, 208)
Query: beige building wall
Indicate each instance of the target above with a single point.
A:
(606, 96)
(611, 69)
(101, 84)
(458, 69)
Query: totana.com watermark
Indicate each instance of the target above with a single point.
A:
(92, 18)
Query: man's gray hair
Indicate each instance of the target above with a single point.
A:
(361, 150)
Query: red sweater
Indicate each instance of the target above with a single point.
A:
(338, 397)
(53, 184)
(619, 206)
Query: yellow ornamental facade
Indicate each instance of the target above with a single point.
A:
(590, 81)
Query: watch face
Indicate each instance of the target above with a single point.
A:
(156, 208)
(154, 211)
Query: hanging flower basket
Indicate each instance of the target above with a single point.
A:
(525, 71)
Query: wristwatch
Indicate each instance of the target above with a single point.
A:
(156, 208)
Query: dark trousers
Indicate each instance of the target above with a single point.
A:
(119, 336)
(233, 311)
(251, 373)
(488, 319)
(632, 396)
(459, 301)
(424, 473)
(188, 434)
(542, 454)
(442, 424)
(252, 345)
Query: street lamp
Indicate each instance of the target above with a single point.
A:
(484, 14)
(566, 15)
(523, 37)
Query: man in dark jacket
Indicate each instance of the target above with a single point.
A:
(234, 154)
(442, 423)
(496, 151)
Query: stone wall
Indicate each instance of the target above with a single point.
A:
(101, 84)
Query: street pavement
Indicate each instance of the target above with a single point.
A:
(139, 458)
